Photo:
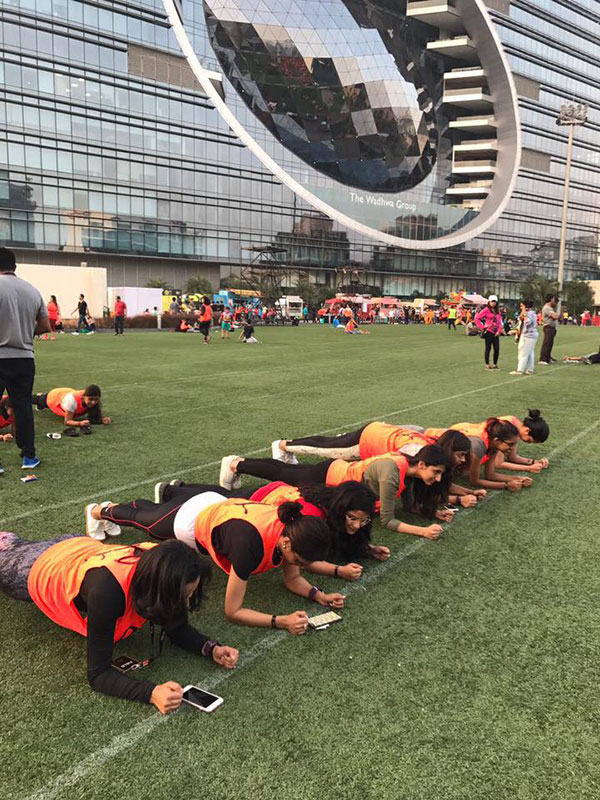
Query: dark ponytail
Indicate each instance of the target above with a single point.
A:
(309, 537)
(538, 427)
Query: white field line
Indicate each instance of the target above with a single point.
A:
(140, 731)
(114, 491)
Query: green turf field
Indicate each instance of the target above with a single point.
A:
(464, 669)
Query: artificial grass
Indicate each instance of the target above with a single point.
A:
(465, 670)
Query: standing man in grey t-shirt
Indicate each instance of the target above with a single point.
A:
(23, 314)
(550, 315)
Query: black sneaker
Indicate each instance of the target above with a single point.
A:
(86, 430)
(71, 432)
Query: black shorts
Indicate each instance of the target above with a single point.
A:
(204, 328)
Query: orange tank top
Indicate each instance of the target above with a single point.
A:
(55, 580)
(261, 516)
(379, 438)
(55, 398)
(342, 471)
(276, 493)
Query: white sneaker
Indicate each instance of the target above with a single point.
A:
(74, 333)
(110, 528)
(281, 455)
(528, 372)
(159, 490)
(227, 478)
(94, 528)
(544, 363)
(515, 372)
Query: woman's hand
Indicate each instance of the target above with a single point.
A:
(432, 531)
(444, 514)
(535, 467)
(468, 500)
(7, 437)
(106, 420)
(225, 656)
(526, 482)
(333, 599)
(295, 623)
(479, 493)
(167, 697)
(514, 485)
(544, 462)
(350, 572)
(380, 552)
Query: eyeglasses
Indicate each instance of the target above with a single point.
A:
(361, 522)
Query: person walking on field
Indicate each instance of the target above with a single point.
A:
(452, 318)
(550, 317)
(205, 319)
(120, 313)
(53, 315)
(82, 310)
(489, 322)
(23, 314)
(528, 336)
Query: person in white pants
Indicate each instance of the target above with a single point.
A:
(528, 336)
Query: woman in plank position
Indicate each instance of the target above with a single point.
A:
(106, 592)
(379, 438)
(421, 481)
(71, 405)
(243, 538)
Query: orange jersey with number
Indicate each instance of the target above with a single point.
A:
(379, 438)
(55, 580)
(55, 397)
(276, 493)
(261, 516)
(342, 471)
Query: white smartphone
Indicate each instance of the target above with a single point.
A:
(199, 698)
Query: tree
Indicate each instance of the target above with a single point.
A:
(313, 294)
(537, 288)
(158, 283)
(579, 297)
(198, 284)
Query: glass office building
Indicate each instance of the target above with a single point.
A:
(112, 153)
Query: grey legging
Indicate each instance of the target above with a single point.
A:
(16, 559)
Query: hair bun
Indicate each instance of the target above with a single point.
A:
(535, 413)
(289, 511)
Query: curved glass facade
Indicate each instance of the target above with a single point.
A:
(110, 150)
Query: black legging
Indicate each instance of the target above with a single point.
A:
(344, 440)
(293, 474)
(156, 519)
(491, 341)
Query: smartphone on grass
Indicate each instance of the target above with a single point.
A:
(201, 699)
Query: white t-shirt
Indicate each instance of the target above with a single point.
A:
(183, 524)
(69, 403)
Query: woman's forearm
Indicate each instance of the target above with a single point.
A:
(298, 585)
(247, 616)
(321, 568)
(488, 483)
(413, 530)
